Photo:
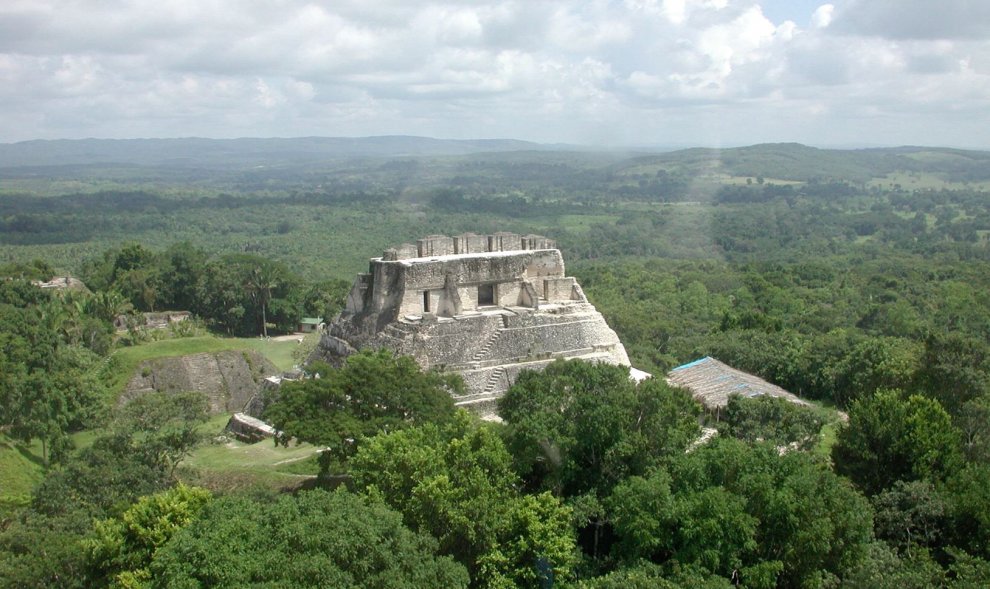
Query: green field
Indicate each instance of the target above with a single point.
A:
(223, 463)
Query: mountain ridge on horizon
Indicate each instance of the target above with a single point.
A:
(207, 153)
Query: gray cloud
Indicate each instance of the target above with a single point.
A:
(916, 19)
(635, 71)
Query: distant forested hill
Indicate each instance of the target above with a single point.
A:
(796, 162)
(194, 151)
(780, 161)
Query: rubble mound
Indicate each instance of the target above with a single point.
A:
(229, 379)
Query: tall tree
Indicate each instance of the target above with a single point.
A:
(260, 281)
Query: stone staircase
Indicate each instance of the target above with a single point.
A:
(486, 398)
(494, 380)
(487, 348)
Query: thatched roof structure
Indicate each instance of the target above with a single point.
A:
(712, 382)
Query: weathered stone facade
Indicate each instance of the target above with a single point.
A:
(229, 379)
(484, 306)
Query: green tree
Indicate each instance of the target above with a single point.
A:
(36, 269)
(135, 457)
(884, 568)
(968, 493)
(316, 539)
(772, 419)
(910, 514)
(972, 421)
(243, 293)
(182, 268)
(374, 391)
(579, 427)
(38, 551)
(955, 369)
(709, 528)
(164, 426)
(325, 299)
(646, 575)
(875, 363)
(48, 387)
(456, 482)
(740, 509)
(260, 282)
(122, 548)
(101, 479)
(891, 437)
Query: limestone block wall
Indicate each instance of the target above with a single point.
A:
(540, 266)
(435, 245)
(537, 242)
(469, 243)
(508, 294)
(401, 284)
(456, 342)
(504, 242)
(574, 335)
(486, 384)
(558, 289)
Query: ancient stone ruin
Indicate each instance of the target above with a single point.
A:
(229, 379)
(484, 306)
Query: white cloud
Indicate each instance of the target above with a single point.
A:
(635, 71)
(822, 16)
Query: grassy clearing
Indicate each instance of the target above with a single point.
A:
(227, 465)
(752, 181)
(579, 223)
(279, 352)
(20, 470)
(829, 437)
(262, 456)
(924, 181)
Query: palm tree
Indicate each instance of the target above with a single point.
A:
(262, 279)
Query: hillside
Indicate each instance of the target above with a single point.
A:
(793, 161)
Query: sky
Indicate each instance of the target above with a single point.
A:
(589, 72)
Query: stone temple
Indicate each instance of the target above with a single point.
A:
(484, 306)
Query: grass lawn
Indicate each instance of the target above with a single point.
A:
(231, 464)
(21, 469)
(829, 437)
